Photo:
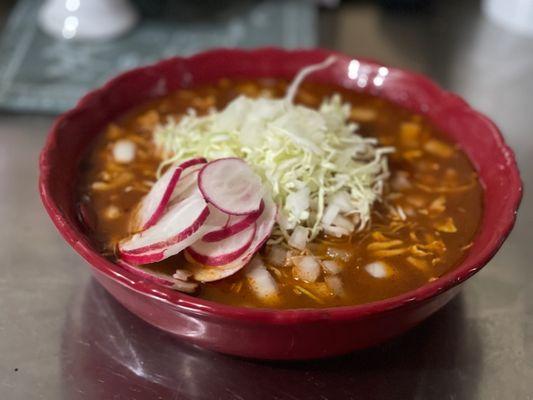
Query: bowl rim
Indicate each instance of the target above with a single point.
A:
(191, 304)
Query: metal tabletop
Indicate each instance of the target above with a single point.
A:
(63, 337)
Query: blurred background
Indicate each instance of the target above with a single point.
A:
(53, 51)
(63, 337)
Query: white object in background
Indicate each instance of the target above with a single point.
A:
(87, 19)
(516, 15)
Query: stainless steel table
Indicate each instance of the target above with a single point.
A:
(63, 337)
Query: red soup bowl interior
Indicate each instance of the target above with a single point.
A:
(263, 333)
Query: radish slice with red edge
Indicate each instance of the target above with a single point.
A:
(153, 204)
(204, 273)
(142, 258)
(224, 251)
(188, 181)
(234, 225)
(163, 250)
(179, 223)
(231, 186)
(264, 225)
(159, 278)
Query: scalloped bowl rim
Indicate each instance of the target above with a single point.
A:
(195, 305)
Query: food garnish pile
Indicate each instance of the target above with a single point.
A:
(260, 169)
(283, 196)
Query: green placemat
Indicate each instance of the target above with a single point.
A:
(40, 73)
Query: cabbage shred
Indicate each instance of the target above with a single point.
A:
(312, 162)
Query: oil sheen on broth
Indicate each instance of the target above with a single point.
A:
(432, 207)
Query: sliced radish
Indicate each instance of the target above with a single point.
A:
(231, 186)
(162, 250)
(264, 224)
(180, 222)
(153, 204)
(188, 181)
(159, 278)
(203, 273)
(235, 224)
(143, 258)
(264, 227)
(224, 251)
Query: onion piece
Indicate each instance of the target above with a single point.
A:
(299, 237)
(331, 267)
(306, 268)
(343, 201)
(343, 222)
(329, 214)
(336, 231)
(277, 256)
(261, 282)
(124, 151)
(378, 269)
(182, 274)
(335, 284)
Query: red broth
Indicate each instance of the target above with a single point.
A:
(424, 227)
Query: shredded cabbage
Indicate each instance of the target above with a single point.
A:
(308, 159)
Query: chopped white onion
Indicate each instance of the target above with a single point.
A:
(336, 231)
(284, 222)
(378, 269)
(298, 203)
(305, 155)
(299, 237)
(331, 267)
(124, 151)
(343, 222)
(260, 280)
(329, 214)
(182, 274)
(335, 284)
(186, 287)
(306, 268)
(343, 201)
(277, 256)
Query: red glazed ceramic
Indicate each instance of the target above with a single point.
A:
(279, 334)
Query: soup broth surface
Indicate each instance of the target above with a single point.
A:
(423, 228)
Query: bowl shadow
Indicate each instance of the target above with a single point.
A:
(107, 352)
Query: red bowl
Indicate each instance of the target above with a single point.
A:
(279, 334)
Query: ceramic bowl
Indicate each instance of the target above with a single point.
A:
(279, 334)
